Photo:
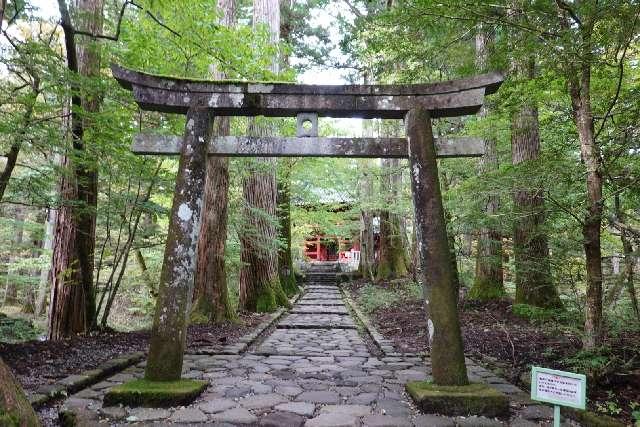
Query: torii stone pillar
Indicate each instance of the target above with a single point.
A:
(168, 337)
(438, 277)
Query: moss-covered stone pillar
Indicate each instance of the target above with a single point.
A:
(437, 275)
(178, 268)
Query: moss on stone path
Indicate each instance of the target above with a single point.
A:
(155, 393)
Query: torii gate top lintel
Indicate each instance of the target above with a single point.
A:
(236, 98)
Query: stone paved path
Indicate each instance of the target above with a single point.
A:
(314, 369)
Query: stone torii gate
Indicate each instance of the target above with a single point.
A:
(201, 101)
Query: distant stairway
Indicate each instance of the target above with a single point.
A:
(321, 273)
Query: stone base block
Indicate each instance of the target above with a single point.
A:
(155, 393)
(472, 399)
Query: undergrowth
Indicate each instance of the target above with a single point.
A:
(13, 330)
(372, 297)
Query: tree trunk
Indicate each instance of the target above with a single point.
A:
(488, 282)
(285, 262)
(392, 258)
(260, 288)
(146, 277)
(12, 155)
(580, 91)
(3, 6)
(437, 275)
(534, 284)
(211, 295)
(286, 272)
(15, 409)
(74, 241)
(367, 265)
(11, 289)
(629, 260)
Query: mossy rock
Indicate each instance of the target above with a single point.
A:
(155, 393)
(472, 399)
(591, 419)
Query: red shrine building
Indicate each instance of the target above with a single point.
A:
(325, 248)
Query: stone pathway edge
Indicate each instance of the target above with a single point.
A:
(78, 382)
(250, 338)
(383, 344)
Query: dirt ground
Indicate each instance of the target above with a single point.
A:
(510, 345)
(36, 363)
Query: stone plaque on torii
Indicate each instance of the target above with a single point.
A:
(202, 100)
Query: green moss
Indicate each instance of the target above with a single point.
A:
(155, 393)
(9, 420)
(13, 419)
(472, 399)
(485, 290)
(289, 284)
(205, 312)
(266, 300)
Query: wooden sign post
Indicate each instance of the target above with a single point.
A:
(559, 388)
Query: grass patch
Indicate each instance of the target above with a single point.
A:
(472, 399)
(155, 393)
(372, 297)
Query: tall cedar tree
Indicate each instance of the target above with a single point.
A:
(488, 281)
(392, 258)
(534, 284)
(286, 273)
(72, 302)
(260, 288)
(211, 296)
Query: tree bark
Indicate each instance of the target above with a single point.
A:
(488, 282)
(392, 259)
(3, 6)
(534, 284)
(437, 274)
(12, 155)
(260, 288)
(629, 260)
(175, 291)
(367, 265)
(211, 296)
(285, 261)
(580, 92)
(74, 241)
(11, 288)
(146, 277)
(15, 409)
(286, 272)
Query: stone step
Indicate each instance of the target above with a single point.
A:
(320, 309)
(322, 321)
(320, 302)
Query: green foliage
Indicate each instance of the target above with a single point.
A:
(635, 412)
(536, 314)
(594, 363)
(13, 330)
(372, 297)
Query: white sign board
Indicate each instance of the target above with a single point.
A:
(558, 387)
